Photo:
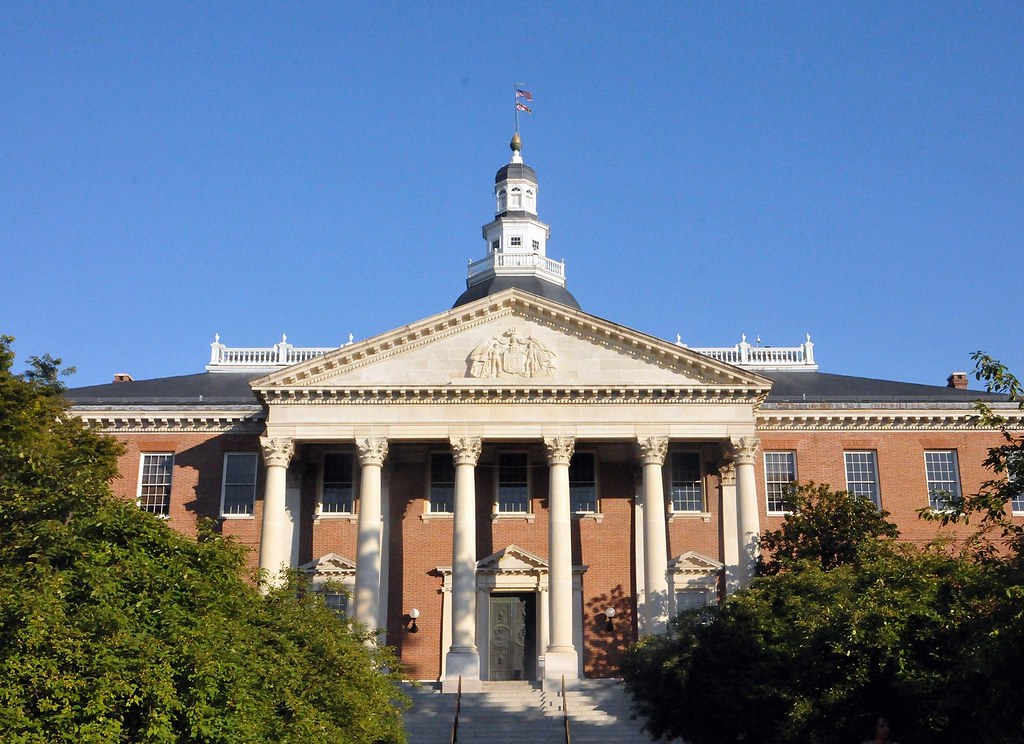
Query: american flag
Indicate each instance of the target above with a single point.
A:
(520, 93)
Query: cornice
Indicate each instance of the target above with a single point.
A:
(141, 421)
(876, 420)
(511, 394)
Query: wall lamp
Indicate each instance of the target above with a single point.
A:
(608, 615)
(413, 614)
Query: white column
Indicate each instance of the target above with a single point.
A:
(463, 658)
(275, 535)
(372, 452)
(748, 520)
(730, 526)
(652, 457)
(560, 658)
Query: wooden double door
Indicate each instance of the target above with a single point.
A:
(512, 636)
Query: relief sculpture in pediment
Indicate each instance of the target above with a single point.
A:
(510, 355)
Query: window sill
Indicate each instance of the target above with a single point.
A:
(439, 516)
(232, 517)
(336, 518)
(688, 515)
(589, 516)
(514, 516)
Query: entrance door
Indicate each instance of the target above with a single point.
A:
(512, 648)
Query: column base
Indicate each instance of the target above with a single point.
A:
(563, 662)
(462, 662)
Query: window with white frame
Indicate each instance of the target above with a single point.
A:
(582, 483)
(943, 477)
(692, 599)
(513, 482)
(336, 491)
(502, 200)
(687, 486)
(536, 245)
(515, 241)
(495, 244)
(517, 198)
(238, 488)
(779, 474)
(155, 482)
(442, 483)
(862, 474)
(336, 600)
(1015, 475)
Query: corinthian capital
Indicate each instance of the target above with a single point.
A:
(466, 450)
(372, 450)
(744, 450)
(727, 474)
(559, 449)
(653, 450)
(277, 451)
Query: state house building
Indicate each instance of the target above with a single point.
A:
(526, 486)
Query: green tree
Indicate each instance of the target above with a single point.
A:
(812, 655)
(115, 628)
(826, 526)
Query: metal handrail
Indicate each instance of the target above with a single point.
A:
(565, 713)
(458, 707)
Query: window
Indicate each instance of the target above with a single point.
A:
(513, 482)
(442, 483)
(582, 486)
(943, 479)
(687, 485)
(1015, 475)
(238, 491)
(691, 599)
(779, 473)
(862, 475)
(515, 241)
(502, 200)
(155, 483)
(336, 496)
(495, 244)
(536, 245)
(336, 601)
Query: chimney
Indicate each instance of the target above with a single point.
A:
(125, 377)
(957, 380)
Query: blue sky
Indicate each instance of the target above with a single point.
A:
(173, 170)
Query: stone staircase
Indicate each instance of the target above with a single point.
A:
(507, 712)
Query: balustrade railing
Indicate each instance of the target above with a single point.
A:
(227, 359)
(745, 354)
(517, 262)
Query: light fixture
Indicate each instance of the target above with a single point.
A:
(413, 614)
(609, 614)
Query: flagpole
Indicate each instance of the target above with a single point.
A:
(515, 104)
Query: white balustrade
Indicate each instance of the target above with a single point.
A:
(283, 354)
(744, 354)
(517, 263)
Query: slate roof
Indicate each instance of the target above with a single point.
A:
(800, 386)
(791, 387)
(206, 388)
(515, 171)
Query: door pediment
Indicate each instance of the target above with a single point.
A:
(511, 340)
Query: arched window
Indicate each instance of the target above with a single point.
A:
(517, 198)
(502, 200)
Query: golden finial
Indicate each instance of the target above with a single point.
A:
(516, 144)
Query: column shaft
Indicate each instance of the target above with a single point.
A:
(749, 522)
(368, 551)
(275, 542)
(463, 657)
(652, 455)
(561, 657)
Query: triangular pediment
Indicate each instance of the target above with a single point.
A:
(330, 564)
(692, 562)
(512, 559)
(511, 340)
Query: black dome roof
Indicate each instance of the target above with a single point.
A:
(515, 170)
(532, 284)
